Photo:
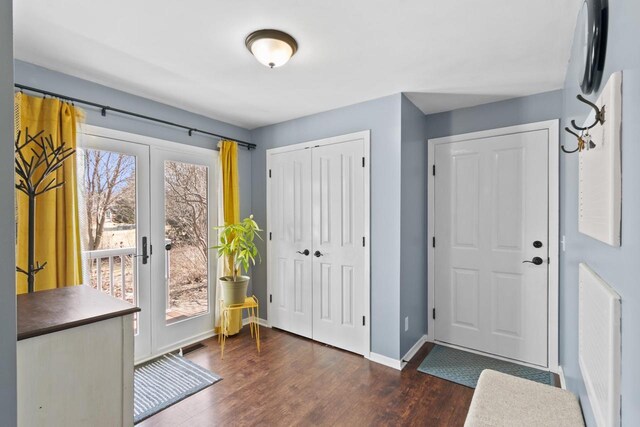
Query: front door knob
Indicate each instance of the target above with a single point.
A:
(317, 254)
(305, 252)
(536, 260)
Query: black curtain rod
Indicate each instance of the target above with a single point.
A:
(105, 108)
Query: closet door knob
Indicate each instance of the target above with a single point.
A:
(317, 254)
(305, 252)
(536, 260)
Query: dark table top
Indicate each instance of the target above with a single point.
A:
(55, 310)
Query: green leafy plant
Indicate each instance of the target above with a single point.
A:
(237, 245)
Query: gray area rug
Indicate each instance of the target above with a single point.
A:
(165, 381)
(464, 368)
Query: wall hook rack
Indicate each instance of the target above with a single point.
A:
(584, 138)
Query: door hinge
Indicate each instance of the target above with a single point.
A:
(433, 170)
(433, 314)
(363, 322)
(363, 162)
(270, 298)
(433, 242)
(270, 235)
(269, 173)
(363, 241)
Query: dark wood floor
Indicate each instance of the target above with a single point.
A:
(296, 381)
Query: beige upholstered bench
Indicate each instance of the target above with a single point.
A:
(505, 400)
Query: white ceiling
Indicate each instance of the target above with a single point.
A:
(445, 54)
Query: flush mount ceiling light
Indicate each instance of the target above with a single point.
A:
(272, 48)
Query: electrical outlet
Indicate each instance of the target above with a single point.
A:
(406, 323)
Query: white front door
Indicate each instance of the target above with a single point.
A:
(338, 245)
(291, 242)
(491, 220)
(316, 225)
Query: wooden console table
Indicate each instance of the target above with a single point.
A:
(75, 358)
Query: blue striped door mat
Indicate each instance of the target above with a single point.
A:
(165, 381)
(463, 367)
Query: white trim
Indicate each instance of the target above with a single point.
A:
(184, 343)
(413, 350)
(142, 139)
(261, 322)
(386, 361)
(364, 134)
(552, 127)
(366, 137)
(563, 382)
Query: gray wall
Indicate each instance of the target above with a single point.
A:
(7, 223)
(382, 117)
(516, 111)
(42, 78)
(413, 227)
(617, 266)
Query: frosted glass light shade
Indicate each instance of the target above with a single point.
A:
(272, 48)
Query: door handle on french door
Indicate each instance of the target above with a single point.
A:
(305, 252)
(317, 254)
(145, 251)
(536, 260)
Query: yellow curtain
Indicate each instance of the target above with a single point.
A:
(57, 240)
(230, 208)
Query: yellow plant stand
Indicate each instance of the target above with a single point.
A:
(251, 304)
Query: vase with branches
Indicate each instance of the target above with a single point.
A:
(44, 158)
(238, 249)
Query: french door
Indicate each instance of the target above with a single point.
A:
(492, 245)
(183, 278)
(317, 255)
(147, 208)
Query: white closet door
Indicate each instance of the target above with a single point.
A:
(491, 198)
(290, 227)
(338, 258)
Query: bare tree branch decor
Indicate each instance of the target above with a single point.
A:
(33, 180)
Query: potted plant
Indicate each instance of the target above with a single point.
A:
(238, 249)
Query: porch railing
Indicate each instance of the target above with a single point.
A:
(113, 271)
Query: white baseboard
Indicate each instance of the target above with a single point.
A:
(563, 383)
(386, 361)
(261, 321)
(413, 350)
(398, 364)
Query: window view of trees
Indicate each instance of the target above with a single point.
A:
(108, 192)
(187, 227)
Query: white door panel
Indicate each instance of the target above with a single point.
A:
(491, 205)
(338, 230)
(316, 203)
(290, 227)
(134, 271)
(183, 195)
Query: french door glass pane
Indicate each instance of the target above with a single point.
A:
(186, 240)
(108, 222)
